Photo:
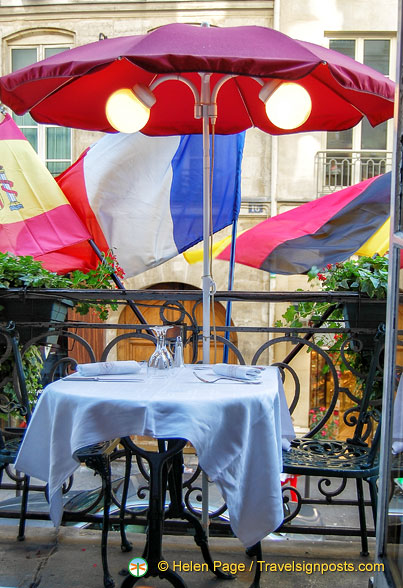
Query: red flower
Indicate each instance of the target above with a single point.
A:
(321, 277)
(329, 266)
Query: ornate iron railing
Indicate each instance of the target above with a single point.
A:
(338, 169)
(61, 341)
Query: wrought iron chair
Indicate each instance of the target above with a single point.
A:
(11, 438)
(355, 458)
(96, 457)
(99, 458)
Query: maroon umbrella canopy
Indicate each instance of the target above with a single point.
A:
(71, 88)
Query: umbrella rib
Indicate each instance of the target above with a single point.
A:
(243, 101)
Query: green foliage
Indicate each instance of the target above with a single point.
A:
(32, 363)
(367, 275)
(25, 272)
(99, 278)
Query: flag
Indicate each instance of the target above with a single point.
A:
(327, 230)
(143, 196)
(378, 243)
(196, 255)
(36, 218)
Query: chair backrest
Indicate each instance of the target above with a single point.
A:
(364, 417)
(367, 412)
(349, 411)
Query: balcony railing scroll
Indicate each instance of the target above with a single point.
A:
(299, 352)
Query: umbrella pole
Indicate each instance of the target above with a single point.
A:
(207, 282)
(205, 101)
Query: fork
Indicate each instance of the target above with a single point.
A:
(239, 380)
(99, 379)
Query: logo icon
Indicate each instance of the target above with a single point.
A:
(6, 185)
(138, 567)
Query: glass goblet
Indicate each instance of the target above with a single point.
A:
(161, 360)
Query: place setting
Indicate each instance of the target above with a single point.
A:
(235, 373)
(106, 371)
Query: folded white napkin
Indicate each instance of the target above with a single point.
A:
(243, 372)
(108, 367)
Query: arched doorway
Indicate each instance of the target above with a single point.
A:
(140, 349)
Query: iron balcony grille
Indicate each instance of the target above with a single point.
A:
(338, 169)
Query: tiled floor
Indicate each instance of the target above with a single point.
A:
(71, 559)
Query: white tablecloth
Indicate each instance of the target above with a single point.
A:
(236, 428)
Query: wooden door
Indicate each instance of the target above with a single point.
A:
(95, 337)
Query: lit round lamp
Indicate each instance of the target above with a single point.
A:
(128, 110)
(289, 106)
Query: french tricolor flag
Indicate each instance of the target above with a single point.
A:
(142, 197)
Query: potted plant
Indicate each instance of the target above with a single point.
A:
(25, 272)
(366, 275)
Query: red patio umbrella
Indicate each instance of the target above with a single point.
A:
(71, 88)
(225, 76)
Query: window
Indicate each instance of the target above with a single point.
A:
(52, 143)
(363, 151)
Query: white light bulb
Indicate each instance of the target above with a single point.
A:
(289, 106)
(126, 112)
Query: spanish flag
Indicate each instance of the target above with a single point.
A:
(35, 216)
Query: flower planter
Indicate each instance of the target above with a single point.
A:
(364, 315)
(37, 311)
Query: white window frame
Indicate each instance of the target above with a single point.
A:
(360, 38)
(40, 41)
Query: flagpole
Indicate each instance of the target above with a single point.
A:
(118, 283)
(231, 273)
